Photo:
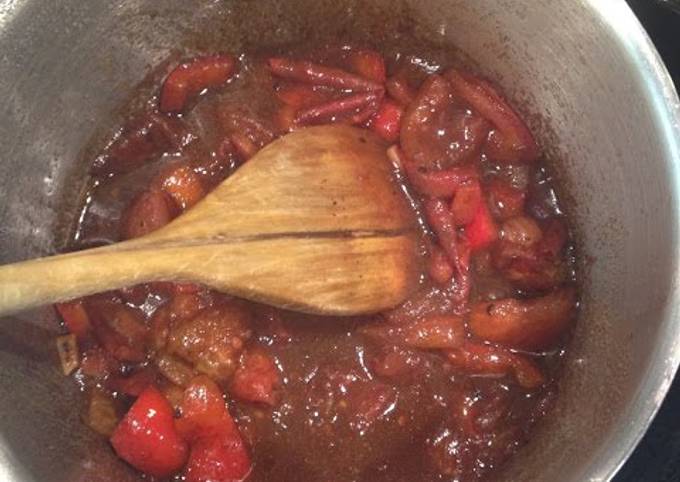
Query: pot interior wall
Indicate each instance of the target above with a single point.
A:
(67, 65)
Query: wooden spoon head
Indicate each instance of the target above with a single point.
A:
(316, 222)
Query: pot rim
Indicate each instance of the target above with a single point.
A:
(661, 95)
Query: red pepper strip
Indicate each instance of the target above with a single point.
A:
(369, 64)
(400, 90)
(311, 73)
(515, 138)
(191, 78)
(440, 219)
(365, 115)
(435, 184)
(146, 437)
(489, 360)
(301, 95)
(344, 106)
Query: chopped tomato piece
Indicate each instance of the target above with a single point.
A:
(433, 332)
(554, 238)
(522, 231)
(204, 412)
(182, 184)
(526, 268)
(218, 459)
(285, 118)
(174, 369)
(248, 131)
(257, 379)
(506, 201)
(387, 121)
(466, 203)
(191, 78)
(148, 212)
(538, 266)
(218, 453)
(134, 384)
(369, 64)
(533, 324)
(75, 318)
(396, 362)
(436, 132)
(146, 437)
(99, 364)
(101, 414)
(144, 139)
(119, 329)
(482, 230)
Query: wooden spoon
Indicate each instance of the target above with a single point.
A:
(314, 222)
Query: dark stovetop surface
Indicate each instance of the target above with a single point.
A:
(657, 458)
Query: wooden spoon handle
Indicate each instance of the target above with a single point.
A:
(57, 278)
(316, 274)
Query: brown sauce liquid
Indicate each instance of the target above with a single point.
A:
(337, 417)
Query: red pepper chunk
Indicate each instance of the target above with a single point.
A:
(218, 453)
(387, 121)
(191, 78)
(482, 230)
(146, 437)
(257, 379)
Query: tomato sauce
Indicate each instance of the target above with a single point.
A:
(188, 382)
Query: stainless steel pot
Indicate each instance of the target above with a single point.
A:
(585, 72)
